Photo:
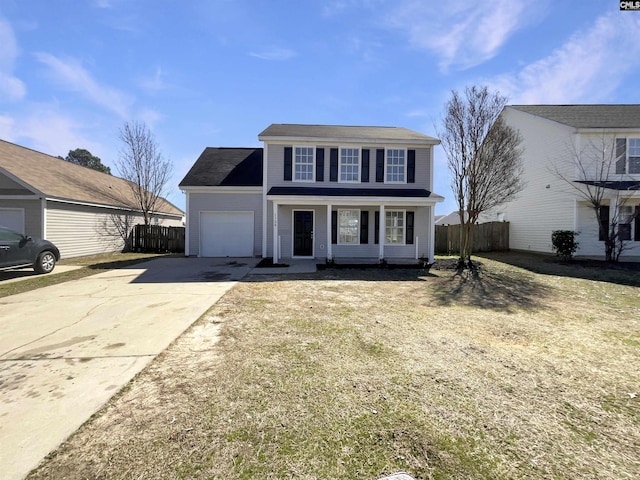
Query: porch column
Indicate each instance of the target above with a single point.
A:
(276, 253)
(613, 213)
(432, 233)
(381, 233)
(329, 234)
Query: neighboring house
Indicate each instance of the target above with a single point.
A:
(553, 137)
(315, 191)
(72, 206)
(454, 218)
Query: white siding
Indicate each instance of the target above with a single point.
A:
(232, 202)
(79, 230)
(547, 202)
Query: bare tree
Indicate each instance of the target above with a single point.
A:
(595, 171)
(484, 158)
(143, 165)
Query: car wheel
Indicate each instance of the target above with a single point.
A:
(45, 262)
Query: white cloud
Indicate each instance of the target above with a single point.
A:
(154, 83)
(7, 128)
(75, 77)
(588, 68)
(461, 33)
(278, 54)
(11, 88)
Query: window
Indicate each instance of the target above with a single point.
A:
(627, 155)
(349, 226)
(394, 227)
(396, 166)
(634, 155)
(625, 216)
(303, 164)
(349, 164)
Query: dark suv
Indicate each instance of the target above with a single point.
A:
(17, 250)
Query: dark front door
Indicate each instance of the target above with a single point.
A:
(303, 233)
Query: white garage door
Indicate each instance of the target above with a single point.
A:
(226, 234)
(12, 218)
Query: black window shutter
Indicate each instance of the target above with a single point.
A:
(409, 232)
(636, 236)
(621, 155)
(364, 226)
(287, 163)
(604, 221)
(380, 165)
(411, 166)
(319, 164)
(334, 227)
(333, 170)
(376, 232)
(364, 175)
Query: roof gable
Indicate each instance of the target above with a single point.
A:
(226, 167)
(57, 178)
(587, 116)
(278, 131)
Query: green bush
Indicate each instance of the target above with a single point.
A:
(564, 243)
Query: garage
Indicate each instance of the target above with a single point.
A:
(226, 234)
(12, 218)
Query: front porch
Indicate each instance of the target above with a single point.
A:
(351, 231)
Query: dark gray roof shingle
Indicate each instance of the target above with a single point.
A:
(222, 167)
(587, 116)
(362, 133)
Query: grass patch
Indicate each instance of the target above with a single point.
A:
(90, 266)
(505, 374)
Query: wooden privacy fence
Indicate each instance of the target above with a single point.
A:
(487, 237)
(156, 238)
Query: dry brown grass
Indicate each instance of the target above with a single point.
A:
(357, 374)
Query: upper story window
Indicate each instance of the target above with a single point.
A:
(349, 164)
(396, 166)
(303, 165)
(628, 155)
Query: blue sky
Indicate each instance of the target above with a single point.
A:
(217, 72)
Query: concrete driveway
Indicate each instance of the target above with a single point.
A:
(66, 349)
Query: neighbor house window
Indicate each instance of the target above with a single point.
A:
(396, 165)
(394, 227)
(627, 155)
(349, 226)
(303, 164)
(634, 155)
(625, 216)
(349, 164)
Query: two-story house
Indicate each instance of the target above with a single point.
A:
(315, 191)
(571, 147)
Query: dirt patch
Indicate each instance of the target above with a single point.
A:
(502, 373)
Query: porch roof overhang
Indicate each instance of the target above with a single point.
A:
(353, 196)
(620, 185)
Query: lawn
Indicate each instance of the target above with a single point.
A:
(356, 374)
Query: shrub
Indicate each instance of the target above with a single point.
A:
(564, 243)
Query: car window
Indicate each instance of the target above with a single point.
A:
(9, 235)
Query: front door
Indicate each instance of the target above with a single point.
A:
(303, 233)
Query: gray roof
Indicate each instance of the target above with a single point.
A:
(587, 116)
(355, 133)
(226, 167)
(57, 178)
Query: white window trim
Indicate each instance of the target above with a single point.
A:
(404, 227)
(313, 164)
(359, 217)
(359, 167)
(386, 160)
(627, 164)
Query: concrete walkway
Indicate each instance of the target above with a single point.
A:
(66, 349)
